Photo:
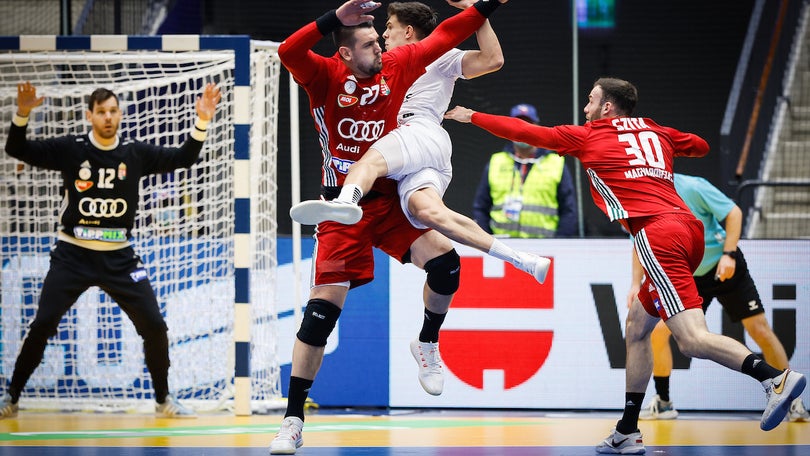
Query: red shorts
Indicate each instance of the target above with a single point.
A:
(343, 253)
(670, 248)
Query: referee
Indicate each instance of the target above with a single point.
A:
(101, 175)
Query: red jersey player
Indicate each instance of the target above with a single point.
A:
(355, 96)
(629, 163)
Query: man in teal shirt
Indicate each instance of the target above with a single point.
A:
(723, 274)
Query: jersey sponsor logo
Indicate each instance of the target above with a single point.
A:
(361, 130)
(344, 101)
(102, 207)
(100, 234)
(138, 275)
(342, 166)
(351, 149)
(82, 185)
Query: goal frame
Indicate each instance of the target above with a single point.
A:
(242, 46)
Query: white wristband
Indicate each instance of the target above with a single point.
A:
(19, 121)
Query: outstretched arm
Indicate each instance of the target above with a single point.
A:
(296, 53)
(562, 139)
(42, 153)
(489, 56)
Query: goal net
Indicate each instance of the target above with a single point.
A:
(185, 230)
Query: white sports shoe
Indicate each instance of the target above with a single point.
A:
(618, 443)
(780, 392)
(798, 412)
(170, 408)
(535, 265)
(314, 212)
(431, 371)
(289, 436)
(658, 410)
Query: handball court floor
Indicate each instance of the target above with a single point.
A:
(392, 432)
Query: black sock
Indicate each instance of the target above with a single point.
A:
(632, 407)
(297, 396)
(431, 325)
(14, 393)
(759, 369)
(662, 387)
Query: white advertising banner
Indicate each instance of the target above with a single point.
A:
(509, 342)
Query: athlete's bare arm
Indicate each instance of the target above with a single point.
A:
(489, 57)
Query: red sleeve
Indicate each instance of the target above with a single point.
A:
(563, 139)
(296, 53)
(688, 144)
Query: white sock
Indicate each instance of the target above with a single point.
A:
(350, 193)
(503, 252)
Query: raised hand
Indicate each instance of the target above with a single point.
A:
(461, 4)
(27, 98)
(355, 12)
(207, 102)
(460, 114)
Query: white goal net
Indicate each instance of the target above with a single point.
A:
(184, 232)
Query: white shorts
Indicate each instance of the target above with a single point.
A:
(418, 156)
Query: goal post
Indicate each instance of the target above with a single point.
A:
(207, 234)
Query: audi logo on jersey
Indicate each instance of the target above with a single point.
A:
(361, 130)
(98, 207)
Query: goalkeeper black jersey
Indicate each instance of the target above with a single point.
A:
(100, 187)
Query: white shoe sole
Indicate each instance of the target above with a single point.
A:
(316, 211)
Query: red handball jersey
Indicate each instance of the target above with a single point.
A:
(351, 113)
(628, 159)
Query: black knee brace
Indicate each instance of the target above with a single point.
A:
(320, 317)
(443, 273)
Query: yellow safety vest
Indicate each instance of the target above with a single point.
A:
(538, 215)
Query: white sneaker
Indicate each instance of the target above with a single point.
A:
(535, 265)
(289, 436)
(618, 443)
(431, 371)
(170, 408)
(798, 412)
(314, 212)
(8, 409)
(658, 410)
(780, 392)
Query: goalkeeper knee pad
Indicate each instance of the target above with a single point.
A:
(320, 317)
(443, 273)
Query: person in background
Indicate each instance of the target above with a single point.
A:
(722, 275)
(525, 191)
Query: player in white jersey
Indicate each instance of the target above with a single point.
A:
(417, 153)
